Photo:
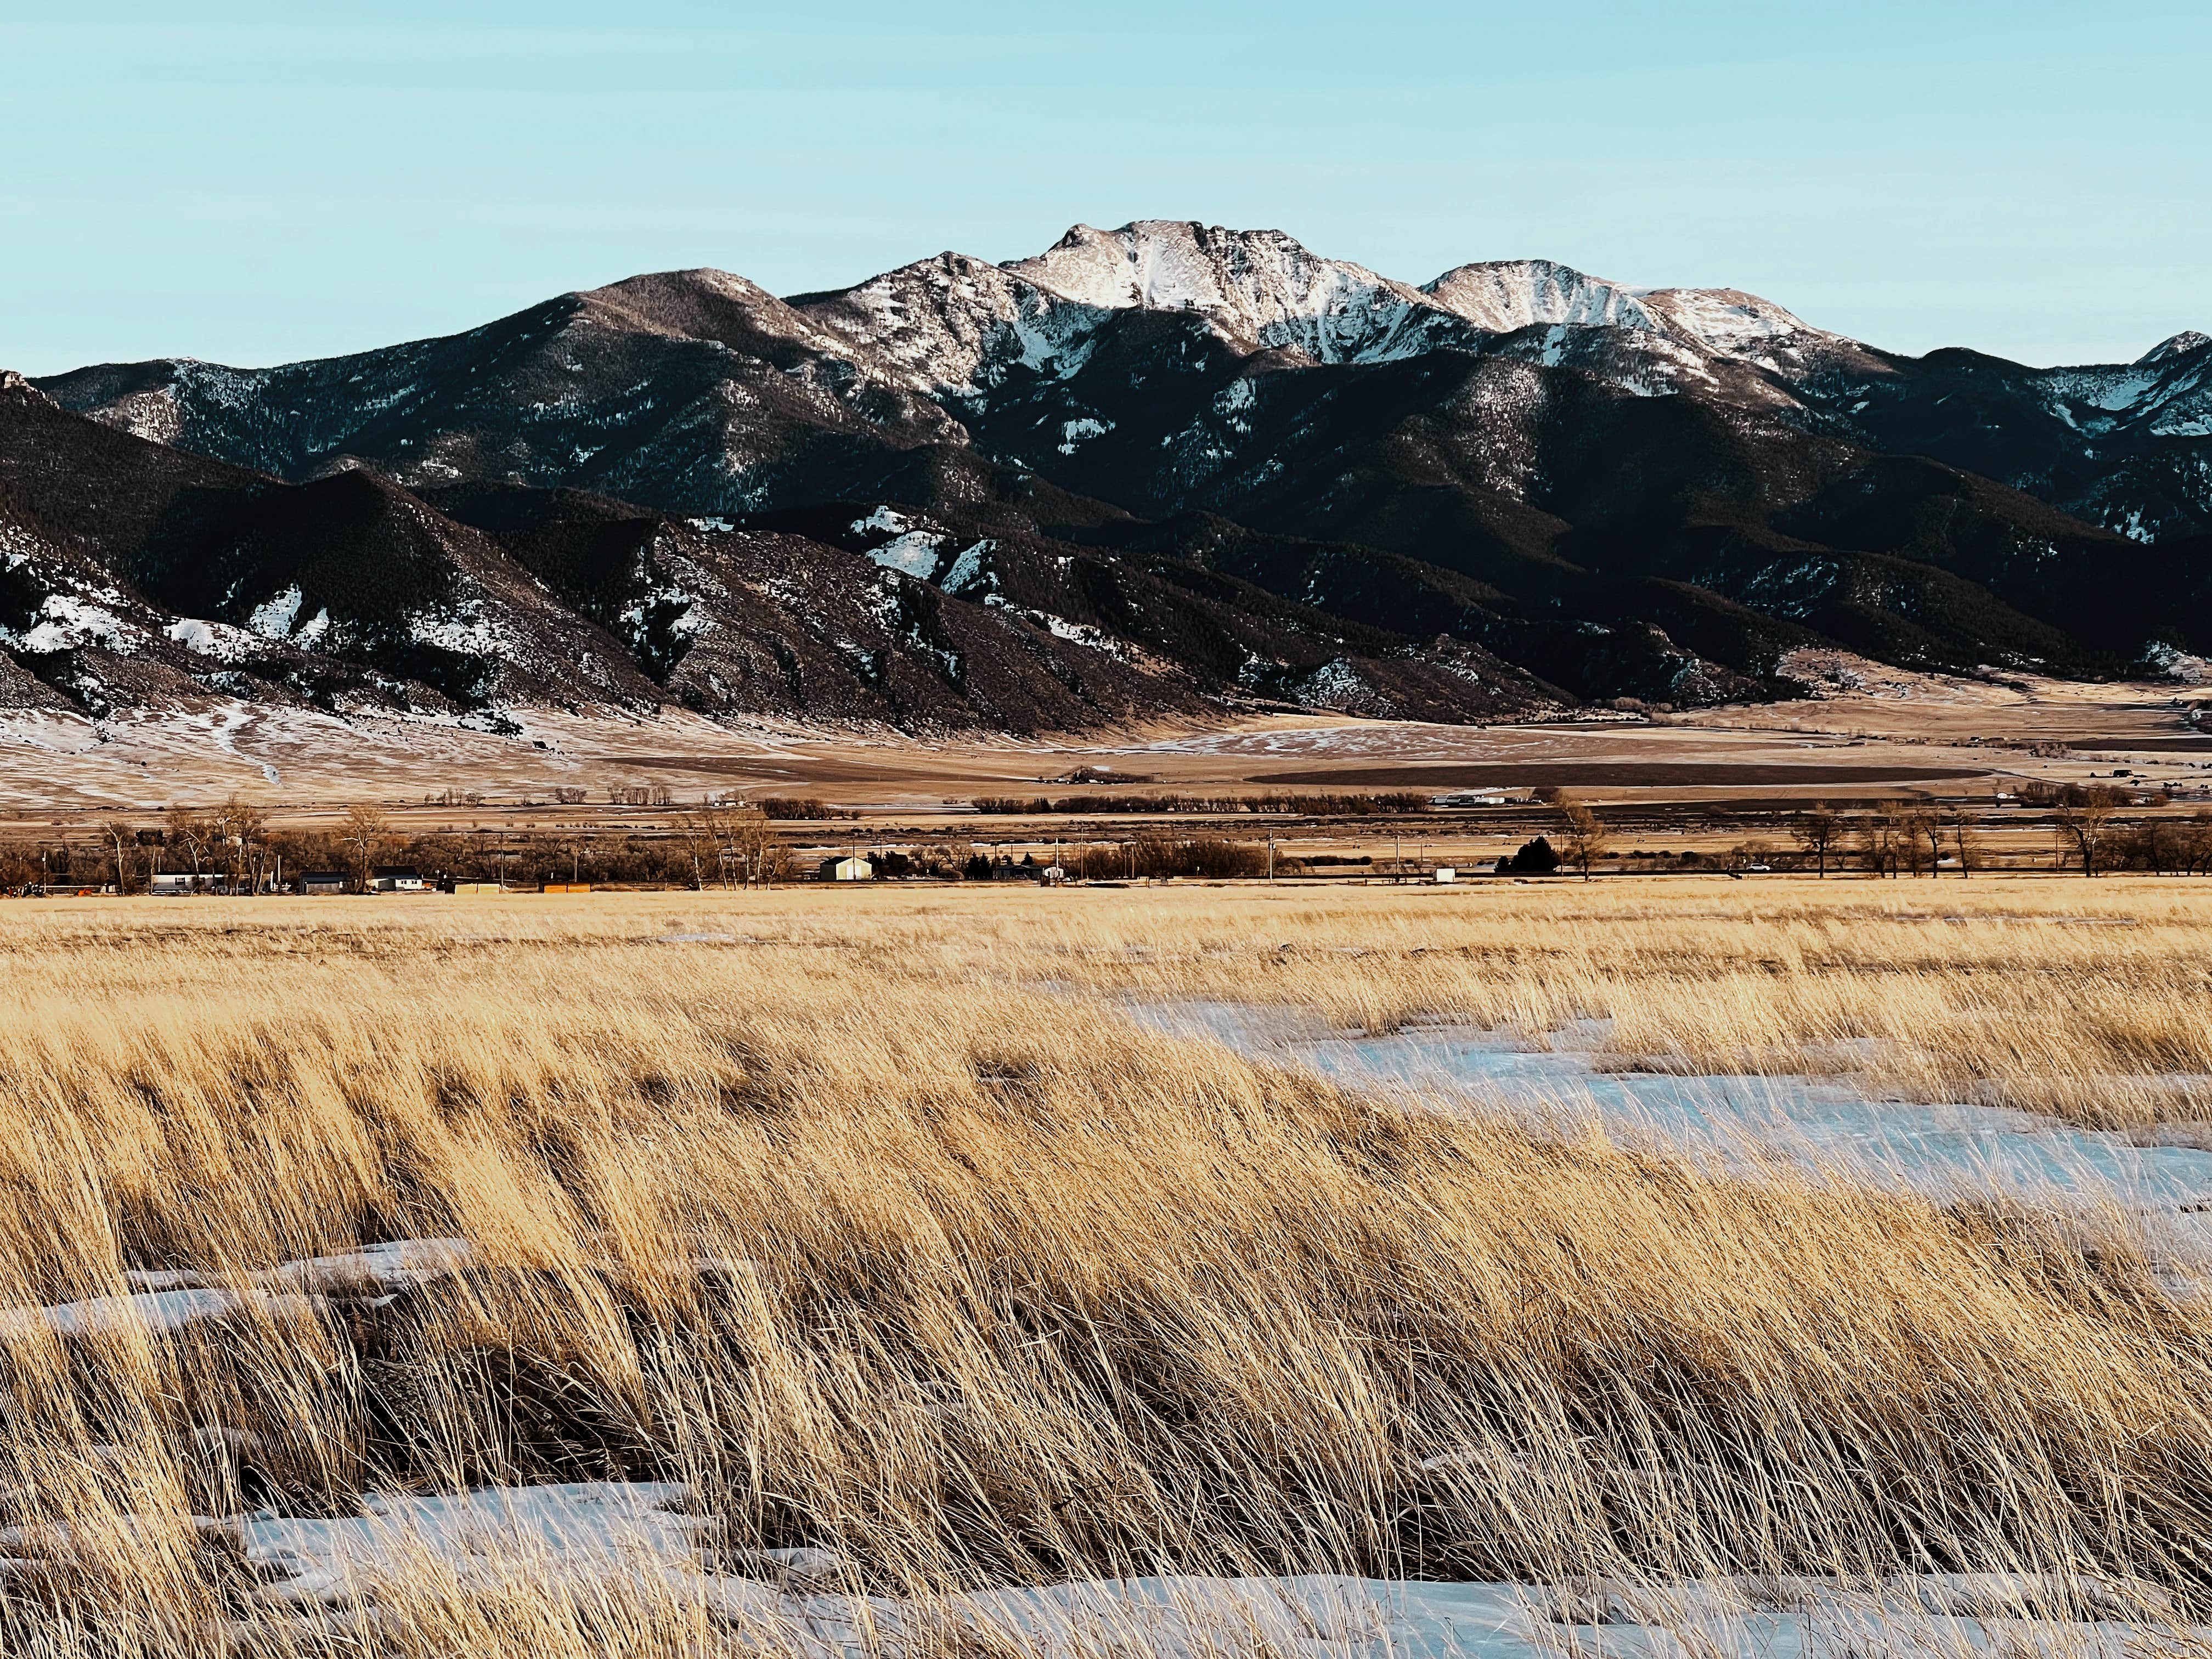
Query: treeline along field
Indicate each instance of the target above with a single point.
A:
(722, 838)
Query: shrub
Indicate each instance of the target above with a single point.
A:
(1534, 858)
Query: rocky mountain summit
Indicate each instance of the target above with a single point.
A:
(1161, 469)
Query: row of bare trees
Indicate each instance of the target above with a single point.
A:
(732, 844)
(1910, 837)
(1921, 837)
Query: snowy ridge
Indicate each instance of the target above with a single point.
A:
(1726, 319)
(1257, 286)
(2167, 393)
(958, 324)
(1266, 289)
(1505, 294)
(2179, 345)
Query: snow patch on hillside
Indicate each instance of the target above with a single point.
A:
(65, 622)
(2171, 663)
(213, 639)
(913, 553)
(968, 570)
(273, 619)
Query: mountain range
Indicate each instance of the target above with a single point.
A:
(1156, 470)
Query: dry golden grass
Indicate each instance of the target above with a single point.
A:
(998, 1287)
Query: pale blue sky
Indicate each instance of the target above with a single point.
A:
(253, 183)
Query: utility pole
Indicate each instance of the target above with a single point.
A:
(1271, 856)
(1397, 857)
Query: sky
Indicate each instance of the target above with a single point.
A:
(254, 182)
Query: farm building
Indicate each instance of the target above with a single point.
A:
(1483, 797)
(852, 869)
(323, 881)
(170, 883)
(398, 878)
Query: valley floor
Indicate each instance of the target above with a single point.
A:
(1874, 732)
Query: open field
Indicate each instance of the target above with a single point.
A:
(1872, 734)
(873, 1222)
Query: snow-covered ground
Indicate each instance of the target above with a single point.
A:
(581, 1541)
(167, 1301)
(1397, 740)
(1819, 1125)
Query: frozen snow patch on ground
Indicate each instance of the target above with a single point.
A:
(162, 1303)
(600, 1536)
(487, 1539)
(1821, 1127)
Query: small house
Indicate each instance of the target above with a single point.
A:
(165, 884)
(398, 878)
(323, 881)
(852, 869)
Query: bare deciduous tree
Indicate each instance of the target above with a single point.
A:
(362, 834)
(1966, 828)
(188, 830)
(238, 827)
(1920, 838)
(123, 841)
(698, 833)
(760, 849)
(1878, 835)
(2196, 844)
(1586, 839)
(1818, 830)
(2084, 819)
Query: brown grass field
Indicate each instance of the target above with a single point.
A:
(872, 1216)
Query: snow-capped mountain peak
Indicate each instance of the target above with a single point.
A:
(1502, 296)
(1726, 319)
(2179, 345)
(1260, 286)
